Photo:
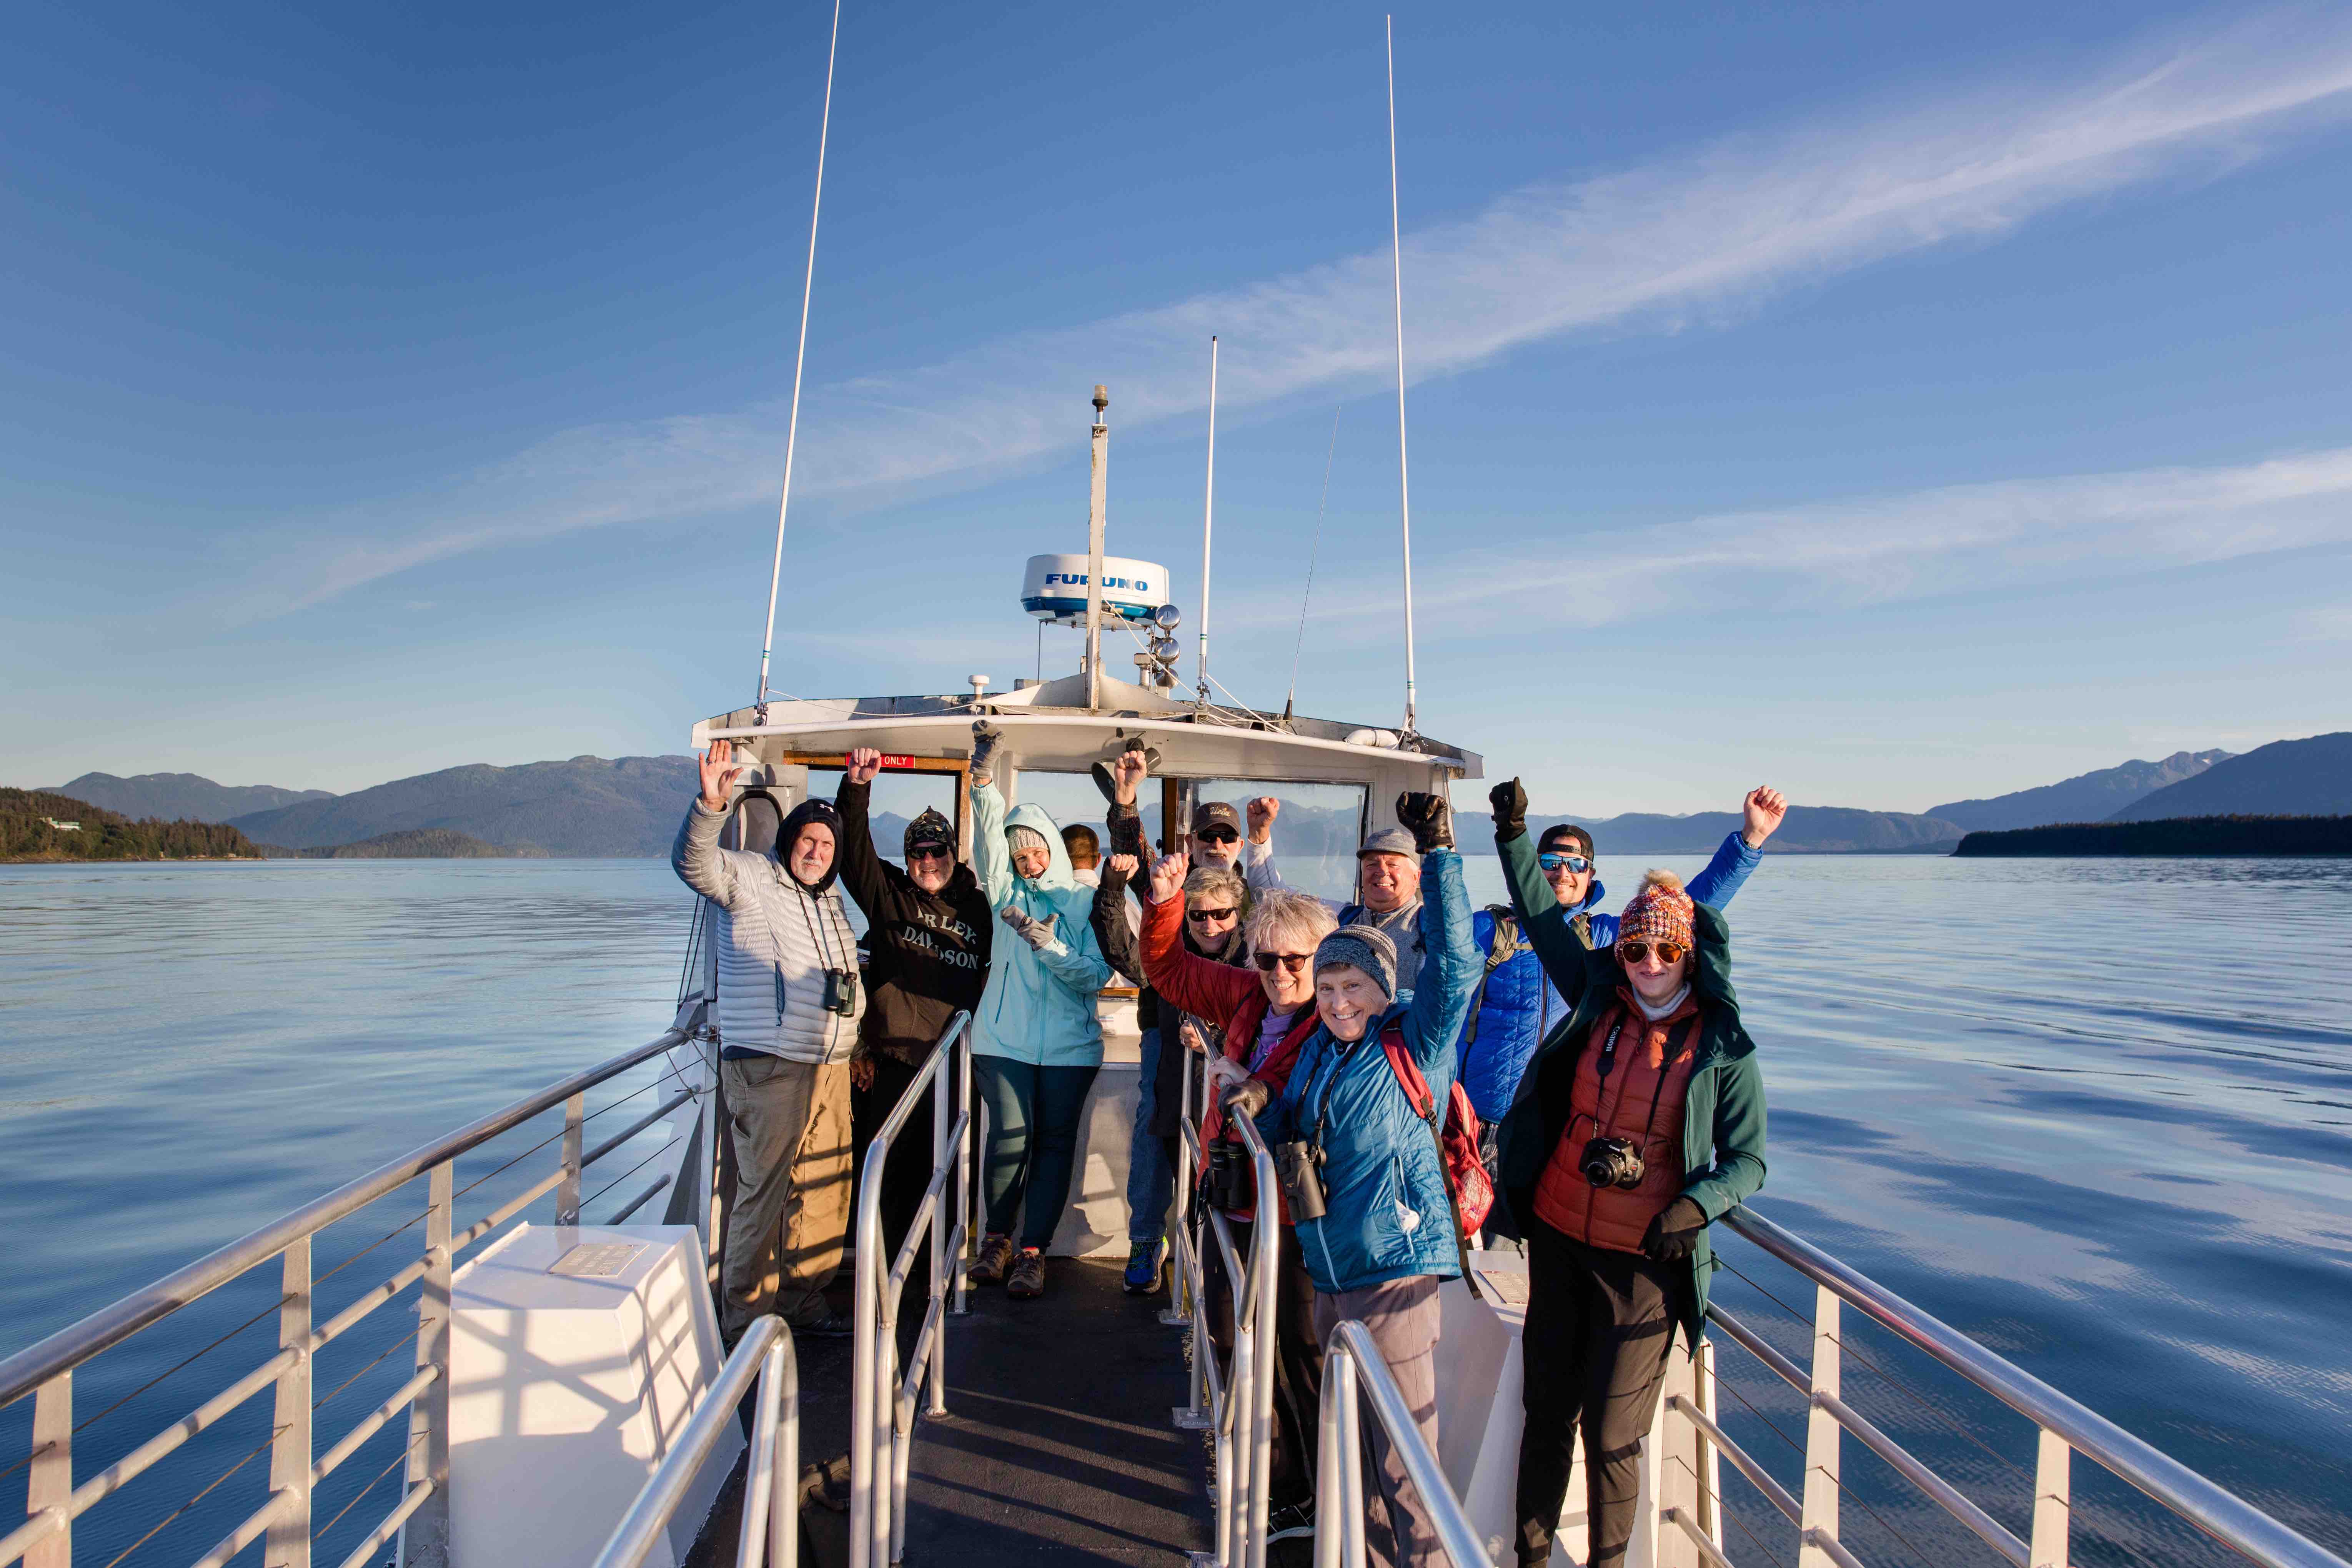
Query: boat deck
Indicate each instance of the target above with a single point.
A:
(1058, 1443)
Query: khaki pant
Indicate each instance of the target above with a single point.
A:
(1403, 1316)
(789, 1125)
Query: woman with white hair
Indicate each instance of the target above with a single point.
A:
(1036, 1043)
(1266, 1010)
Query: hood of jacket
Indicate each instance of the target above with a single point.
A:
(1060, 875)
(822, 813)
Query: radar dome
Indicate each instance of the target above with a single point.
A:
(1054, 589)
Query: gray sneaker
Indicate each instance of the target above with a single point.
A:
(995, 1257)
(1027, 1279)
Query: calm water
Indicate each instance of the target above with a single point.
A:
(2097, 1113)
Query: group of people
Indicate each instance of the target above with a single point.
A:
(1618, 1106)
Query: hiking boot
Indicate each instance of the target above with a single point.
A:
(831, 1326)
(1027, 1279)
(1144, 1261)
(995, 1257)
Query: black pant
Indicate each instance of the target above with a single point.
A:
(1297, 1355)
(906, 1173)
(1600, 1326)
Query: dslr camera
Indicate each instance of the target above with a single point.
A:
(1611, 1163)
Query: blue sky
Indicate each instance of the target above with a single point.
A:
(1895, 403)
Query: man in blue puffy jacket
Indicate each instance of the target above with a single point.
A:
(1516, 1005)
(1386, 1238)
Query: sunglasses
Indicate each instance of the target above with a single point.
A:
(931, 852)
(1218, 836)
(1638, 951)
(1564, 862)
(1295, 962)
(1208, 917)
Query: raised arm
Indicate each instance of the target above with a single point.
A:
(1542, 921)
(864, 873)
(1740, 852)
(1258, 870)
(1451, 962)
(991, 863)
(694, 856)
(1113, 935)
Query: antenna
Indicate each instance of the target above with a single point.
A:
(1312, 552)
(792, 428)
(1098, 449)
(1208, 517)
(1404, 486)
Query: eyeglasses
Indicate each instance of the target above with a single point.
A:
(1218, 836)
(1295, 962)
(1577, 863)
(1208, 917)
(1638, 951)
(931, 852)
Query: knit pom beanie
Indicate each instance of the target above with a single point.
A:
(1661, 911)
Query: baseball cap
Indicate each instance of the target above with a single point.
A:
(1216, 814)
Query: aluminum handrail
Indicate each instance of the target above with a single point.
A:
(2219, 1513)
(71, 1346)
(1236, 1409)
(881, 1421)
(771, 1528)
(1350, 1361)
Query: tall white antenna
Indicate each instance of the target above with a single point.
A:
(1405, 485)
(1313, 550)
(1208, 519)
(792, 428)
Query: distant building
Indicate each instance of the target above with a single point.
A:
(62, 826)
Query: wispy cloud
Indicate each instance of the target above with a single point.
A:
(1689, 240)
(1953, 540)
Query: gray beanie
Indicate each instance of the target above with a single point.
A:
(1364, 947)
(1018, 838)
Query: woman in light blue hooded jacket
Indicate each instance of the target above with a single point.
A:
(1035, 1041)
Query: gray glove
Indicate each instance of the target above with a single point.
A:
(985, 739)
(1035, 933)
(1246, 1098)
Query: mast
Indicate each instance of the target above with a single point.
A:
(1404, 484)
(1096, 504)
(1208, 519)
(800, 360)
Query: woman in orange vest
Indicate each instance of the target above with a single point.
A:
(1639, 1123)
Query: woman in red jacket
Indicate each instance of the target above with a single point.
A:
(1268, 1010)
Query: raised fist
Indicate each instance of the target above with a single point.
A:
(1261, 813)
(1123, 866)
(1764, 808)
(1168, 876)
(985, 739)
(1428, 818)
(1510, 803)
(864, 762)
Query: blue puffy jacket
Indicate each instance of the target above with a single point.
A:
(1386, 1211)
(1519, 1005)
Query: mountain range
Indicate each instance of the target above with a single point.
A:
(597, 806)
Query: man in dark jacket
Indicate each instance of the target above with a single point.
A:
(929, 939)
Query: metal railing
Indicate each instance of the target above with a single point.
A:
(770, 1532)
(1235, 1405)
(879, 1450)
(54, 1499)
(1352, 1361)
(2065, 1428)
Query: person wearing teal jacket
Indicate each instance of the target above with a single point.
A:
(1036, 1043)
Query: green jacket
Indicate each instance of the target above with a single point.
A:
(1723, 1112)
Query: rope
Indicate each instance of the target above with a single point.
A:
(363, 1372)
(398, 1459)
(624, 1175)
(364, 1251)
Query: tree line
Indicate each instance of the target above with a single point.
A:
(2172, 836)
(26, 833)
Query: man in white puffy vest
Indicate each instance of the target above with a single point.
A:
(788, 1003)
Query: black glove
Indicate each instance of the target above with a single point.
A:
(1428, 818)
(1510, 804)
(985, 739)
(1674, 1236)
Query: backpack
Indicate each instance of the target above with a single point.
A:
(1505, 944)
(1467, 1184)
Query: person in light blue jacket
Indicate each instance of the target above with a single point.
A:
(1386, 1239)
(1036, 1043)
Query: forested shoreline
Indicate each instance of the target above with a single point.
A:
(2174, 836)
(26, 833)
